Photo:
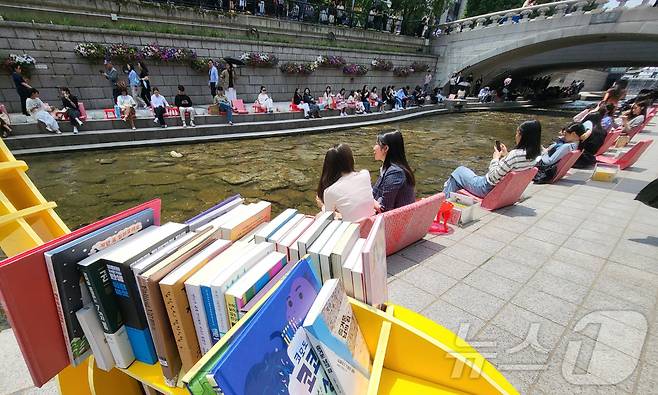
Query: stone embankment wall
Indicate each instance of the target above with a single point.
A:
(58, 65)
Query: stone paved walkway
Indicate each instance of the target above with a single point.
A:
(574, 266)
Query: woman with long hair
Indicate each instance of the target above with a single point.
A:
(365, 94)
(298, 100)
(146, 83)
(341, 188)
(523, 156)
(396, 185)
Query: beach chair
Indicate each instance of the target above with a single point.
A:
(508, 191)
(405, 225)
(109, 113)
(628, 158)
(565, 164)
(238, 106)
(258, 109)
(609, 141)
(294, 108)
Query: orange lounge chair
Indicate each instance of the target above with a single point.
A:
(238, 106)
(565, 164)
(628, 158)
(257, 108)
(405, 225)
(609, 141)
(508, 191)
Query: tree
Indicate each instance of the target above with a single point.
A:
(481, 7)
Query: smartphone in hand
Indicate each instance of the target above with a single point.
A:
(498, 148)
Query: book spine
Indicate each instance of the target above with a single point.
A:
(232, 309)
(325, 268)
(119, 344)
(294, 254)
(220, 310)
(199, 317)
(91, 327)
(102, 294)
(60, 310)
(320, 352)
(346, 278)
(180, 320)
(171, 368)
(247, 226)
(209, 304)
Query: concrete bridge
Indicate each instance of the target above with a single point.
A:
(564, 35)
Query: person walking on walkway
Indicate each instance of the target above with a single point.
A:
(22, 87)
(135, 84)
(159, 105)
(228, 82)
(72, 108)
(146, 83)
(184, 104)
(112, 75)
(213, 77)
(224, 104)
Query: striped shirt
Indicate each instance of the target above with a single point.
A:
(514, 161)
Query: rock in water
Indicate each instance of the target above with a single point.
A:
(175, 154)
(106, 161)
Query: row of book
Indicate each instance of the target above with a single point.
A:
(135, 290)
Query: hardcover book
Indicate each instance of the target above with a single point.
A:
(337, 339)
(251, 282)
(322, 220)
(216, 211)
(374, 264)
(267, 352)
(350, 265)
(172, 287)
(342, 249)
(67, 283)
(265, 233)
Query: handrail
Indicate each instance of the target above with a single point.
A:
(512, 10)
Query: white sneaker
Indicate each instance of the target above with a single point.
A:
(79, 121)
(165, 125)
(48, 128)
(155, 120)
(184, 125)
(134, 128)
(192, 124)
(75, 130)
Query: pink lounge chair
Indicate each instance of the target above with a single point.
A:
(238, 106)
(406, 225)
(508, 191)
(565, 164)
(609, 141)
(629, 158)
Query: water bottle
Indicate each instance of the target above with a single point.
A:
(117, 111)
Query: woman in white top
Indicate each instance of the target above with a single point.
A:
(159, 105)
(41, 112)
(127, 105)
(341, 188)
(264, 100)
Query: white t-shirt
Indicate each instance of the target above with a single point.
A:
(351, 196)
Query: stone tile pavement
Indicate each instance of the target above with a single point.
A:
(558, 292)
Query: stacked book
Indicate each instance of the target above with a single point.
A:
(137, 290)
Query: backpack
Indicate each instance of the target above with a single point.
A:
(545, 173)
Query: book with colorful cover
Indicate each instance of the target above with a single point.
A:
(242, 223)
(350, 265)
(268, 351)
(265, 233)
(214, 289)
(67, 283)
(175, 299)
(118, 259)
(270, 285)
(337, 339)
(31, 311)
(251, 282)
(374, 264)
(216, 211)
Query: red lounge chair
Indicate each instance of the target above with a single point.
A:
(109, 113)
(406, 225)
(238, 105)
(629, 158)
(565, 164)
(294, 108)
(172, 112)
(508, 191)
(609, 141)
(258, 108)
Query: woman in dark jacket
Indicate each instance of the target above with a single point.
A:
(71, 106)
(146, 83)
(314, 109)
(396, 185)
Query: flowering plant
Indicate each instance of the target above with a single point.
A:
(151, 51)
(402, 71)
(121, 52)
(25, 61)
(419, 67)
(168, 54)
(382, 64)
(331, 61)
(355, 69)
(91, 50)
(259, 59)
(299, 68)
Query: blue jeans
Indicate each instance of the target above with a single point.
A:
(229, 111)
(465, 178)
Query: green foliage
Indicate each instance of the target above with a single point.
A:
(481, 7)
(412, 11)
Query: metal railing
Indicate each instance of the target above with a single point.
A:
(315, 13)
(538, 12)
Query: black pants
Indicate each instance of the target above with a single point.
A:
(146, 95)
(116, 92)
(72, 113)
(159, 113)
(213, 89)
(23, 97)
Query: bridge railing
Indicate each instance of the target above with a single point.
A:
(556, 9)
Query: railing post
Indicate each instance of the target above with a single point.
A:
(479, 23)
(542, 13)
(508, 18)
(466, 26)
(560, 10)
